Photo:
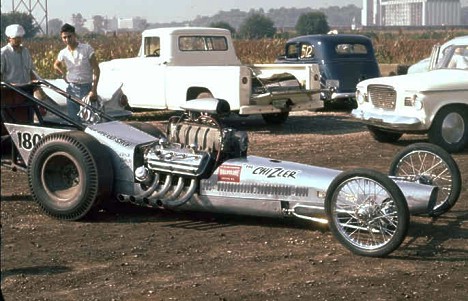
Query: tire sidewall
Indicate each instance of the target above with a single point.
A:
(52, 203)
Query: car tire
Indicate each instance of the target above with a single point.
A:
(450, 128)
(275, 118)
(430, 164)
(382, 135)
(69, 174)
(367, 212)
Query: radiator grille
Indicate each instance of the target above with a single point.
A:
(383, 97)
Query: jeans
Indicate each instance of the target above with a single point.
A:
(79, 91)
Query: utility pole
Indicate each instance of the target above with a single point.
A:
(37, 9)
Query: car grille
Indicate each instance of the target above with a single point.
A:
(382, 96)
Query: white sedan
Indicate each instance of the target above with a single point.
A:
(433, 102)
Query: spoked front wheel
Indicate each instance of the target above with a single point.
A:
(430, 164)
(367, 212)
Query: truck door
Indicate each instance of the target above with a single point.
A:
(146, 89)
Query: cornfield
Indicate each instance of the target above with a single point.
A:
(390, 48)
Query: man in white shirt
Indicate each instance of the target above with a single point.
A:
(82, 69)
(16, 63)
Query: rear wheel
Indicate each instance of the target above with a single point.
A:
(275, 118)
(382, 135)
(367, 212)
(69, 173)
(430, 164)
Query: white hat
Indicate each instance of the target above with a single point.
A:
(14, 31)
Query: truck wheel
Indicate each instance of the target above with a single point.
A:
(367, 212)
(147, 128)
(450, 128)
(382, 135)
(275, 118)
(430, 164)
(69, 173)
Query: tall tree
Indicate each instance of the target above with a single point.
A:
(54, 26)
(224, 25)
(24, 19)
(99, 24)
(257, 26)
(78, 21)
(312, 23)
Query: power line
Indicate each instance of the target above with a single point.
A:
(37, 9)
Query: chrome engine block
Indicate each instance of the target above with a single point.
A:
(169, 170)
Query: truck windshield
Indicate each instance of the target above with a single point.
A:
(454, 57)
(202, 43)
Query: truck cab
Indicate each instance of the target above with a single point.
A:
(179, 46)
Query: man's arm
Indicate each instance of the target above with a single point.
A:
(96, 73)
(58, 67)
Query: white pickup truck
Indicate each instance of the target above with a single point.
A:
(175, 65)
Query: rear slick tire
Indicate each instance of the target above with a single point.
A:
(69, 174)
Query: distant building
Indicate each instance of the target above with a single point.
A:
(131, 24)
(411, 12)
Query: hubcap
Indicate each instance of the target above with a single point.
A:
(453, 128)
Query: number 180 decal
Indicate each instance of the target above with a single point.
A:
(27, 140)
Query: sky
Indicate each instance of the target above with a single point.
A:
(160, 11)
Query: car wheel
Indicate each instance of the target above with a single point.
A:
(382, 135)
(430, 164)
(450, 128)
(367, 212)
(275, 118)
(69, 173)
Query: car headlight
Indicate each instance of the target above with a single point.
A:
(361, 97)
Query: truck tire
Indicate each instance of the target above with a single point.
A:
(430, 164)
(382, 135)
(450, 128)
(367, 212)
(275, 118)
(69, 173)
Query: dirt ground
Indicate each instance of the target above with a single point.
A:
(146, 254)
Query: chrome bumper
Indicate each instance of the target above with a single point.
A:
(389, 121)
